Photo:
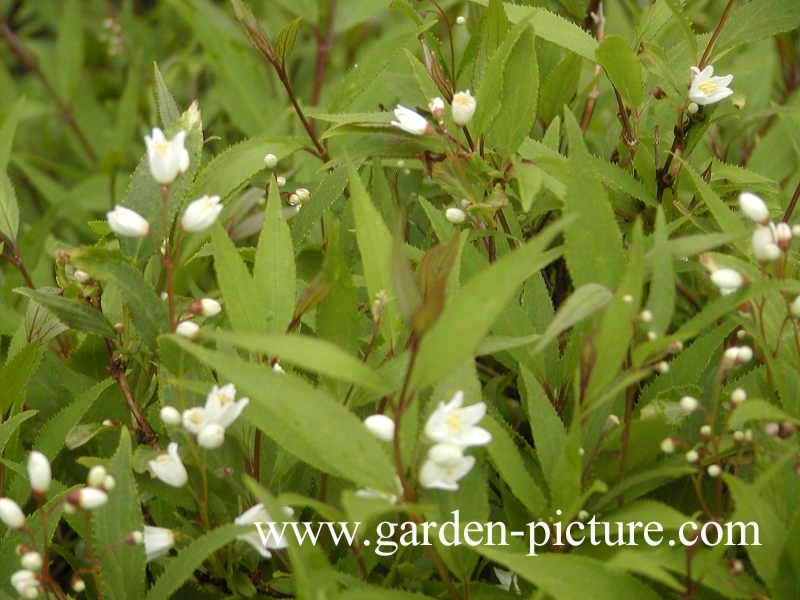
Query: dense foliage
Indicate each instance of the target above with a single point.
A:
(381, 261)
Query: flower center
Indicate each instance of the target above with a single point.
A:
(164, 458)
(162, 147)
(224, 398)
(707, 87)
(454, 422)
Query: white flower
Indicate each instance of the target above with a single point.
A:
(201, 214)
(436, 476)
(689, 404)
(97, 474)
(456, 425)
(169, 467)
(446, 455)
(707, 89)
(11, 514)
(463, 107)
(258, 514)
(167, 158)
(270, 160)
(455, 215)
(764, 243)
(211, 436)
(127, 223)
(668, 445)
(187, 329)
(39, 472)
(727, 280)
(221, 407)
(210, 307)
(194, 419)
(381, 426)
(410, 121)
(89, 498)
(31, 560)
(436, 106)
(25, 583)
(157, 541)
(170, 416)
(508, 581)
(795, 307)
(753, 207)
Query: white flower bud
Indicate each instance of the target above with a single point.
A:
(278, 369)
(302, 194)
(78, 585)
(455, 215)
(90, 498)
(436, 106)
(692, 456)
(668, 445)
(764, 243)
(381, 426)
(748, 435)
(210, 307)
(714, 471)
(692, 108)
(136, 537)
(612, 421)
(167, 158)
(211, 436)
(738, 436)
(270, 160)
(81, 276)
(410, 121)
(463, 107)
(25, 583)
(460, 20)
(157, 541)
(170, 416)
(772, 429)
(127, 223)
(96, 476)
(445, 455)
(745, 355)
(39, 473)
(201, 214)
(109, 483)
(187, 329)
(646, 316)
(689, 404)
(662, 367)
(738, 396)
(753, 207)
(280, 180)
(705, 431)
(31, 560)
(627, 299)
(294, 199)
(193, 114)
(727, 280)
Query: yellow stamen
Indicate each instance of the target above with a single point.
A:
(708, 87)
(454, 422)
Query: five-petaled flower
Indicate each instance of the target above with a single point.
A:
(169, 467)
(708, 89)
(167, 158)
(456, 425)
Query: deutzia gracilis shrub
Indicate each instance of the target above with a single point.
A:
(273, 265)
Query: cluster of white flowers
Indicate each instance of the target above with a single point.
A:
(452, 428)
(462, 108)
(168, 160)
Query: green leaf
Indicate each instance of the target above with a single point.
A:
(549, 435)
(244, 300)
(756, 20)
(10, 426)
(756, 410)
(725, 218)
(311, 354)
(16, 374)
(287, 408)
(623, 68)
(661, 301)
(510, 464)
(73, 313)
(182, 567)
(469, 315)
(167, 107)
(569, 576)
(9, 210)
(592, 242)
(274, 270)
(581, 304)
(553, 28)
(284, 44)
(69, 50)
(148, 311)
(559, 86)
(122, 572)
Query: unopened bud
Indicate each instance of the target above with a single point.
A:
(668, 445)
(270, 161)
(713, 471)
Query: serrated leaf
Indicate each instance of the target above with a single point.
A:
(10, 426)
(148, 311)
(622, 67)
(549, 436)
(72, 313)
(16, 373)
(9, 210)
(167, 107)
(661, 301)
(585, 301)
(274, 269)
(284, 44)
(756, 20)
(69, 49)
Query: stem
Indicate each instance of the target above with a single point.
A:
(715, 35)
(324, 45)
(117, 369)
(166, 257)
(29, 61)
(792, 203)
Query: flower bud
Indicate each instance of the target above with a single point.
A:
(738, 436)
(39, 472)
(381, 426)
(662, 367)
(689, 404)
(646, 316)
(127, 223)
(764, 243)
(280, 180)
(109, 483)
(410, 121)
(170, 416)
(463, 107)
(88, 498)
(96, 476)
(31, 560)
(692, 456)
(211, 436)
(783, 235)
(455, 215)
(738, 396)
(753, 207)
(436, 106)
(201, 214)
(727, 280)
(209, 307)
(445, 455)
(772, 429)
(188, 329)
(692, 108)
(668, 445)
(78, 584)
(81, 276)
(612, 421)
(705, 432)
(270, 160)
(714, 471)
(11, 514)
